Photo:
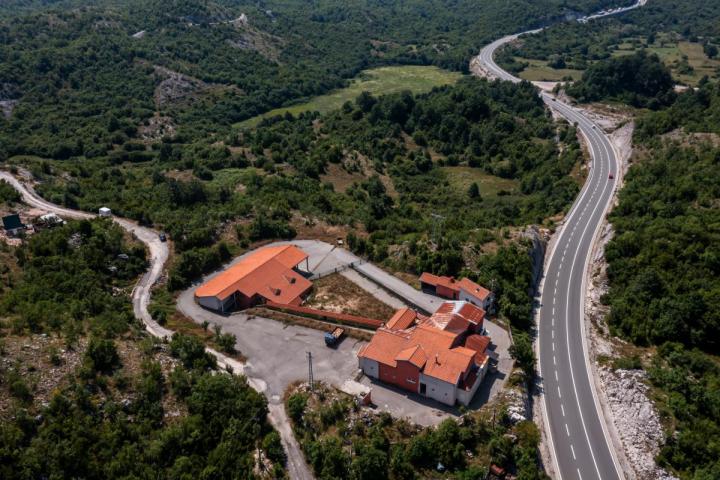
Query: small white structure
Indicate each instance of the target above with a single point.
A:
(105, 212)
(50, 220)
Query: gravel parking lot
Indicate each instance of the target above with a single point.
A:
(277, 353)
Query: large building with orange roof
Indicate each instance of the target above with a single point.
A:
(443, 356)
(267, 274)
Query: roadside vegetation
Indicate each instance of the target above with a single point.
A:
(685, 37)
(98, 398)
(664, 271)
(341, 440)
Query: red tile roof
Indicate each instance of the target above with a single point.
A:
(478, 343)
(267, 272)
(457, 316)
(474, 289)
(450, 283)
(429, 344)
(402, 319)
(415, 355)
(435, 280)
(385, 346)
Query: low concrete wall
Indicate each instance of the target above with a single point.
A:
(342, 318)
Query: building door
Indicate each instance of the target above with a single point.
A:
(423, 388)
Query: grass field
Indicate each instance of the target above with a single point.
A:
(462, 177)
(378, 81)
(672, 53)
(538, 71)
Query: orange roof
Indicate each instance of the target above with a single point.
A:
(415, 355)
(474, 289)
(402, 319)
(429, 344)
(435, 280)
(479, 344)
(267, 272)
(450, 283)
(385, 346)
(456, 316)
(449, 365)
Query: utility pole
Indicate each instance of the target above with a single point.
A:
(310, 372)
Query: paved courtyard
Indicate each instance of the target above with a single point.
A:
(277, 353)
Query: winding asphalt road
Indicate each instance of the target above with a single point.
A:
(579, 438)
(159, 252)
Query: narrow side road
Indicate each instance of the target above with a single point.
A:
(579, 438)
(159, 252)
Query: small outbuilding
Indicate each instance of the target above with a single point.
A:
(105, 212)
(463, 289)
(12, 225)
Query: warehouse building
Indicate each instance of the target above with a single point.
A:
(274, 274)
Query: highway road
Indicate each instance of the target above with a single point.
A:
(578, 435)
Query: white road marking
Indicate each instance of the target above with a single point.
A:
(556, 377)
(579, 475)
(559, 394)
(567, 430)
(572, 449)
(554, 361)
(562, 408)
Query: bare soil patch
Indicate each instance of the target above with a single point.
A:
(336, 293)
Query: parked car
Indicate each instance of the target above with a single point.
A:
(611, 176)
(162, 237)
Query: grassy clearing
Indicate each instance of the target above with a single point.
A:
(378, 81)
(462, 177)
(539, 71)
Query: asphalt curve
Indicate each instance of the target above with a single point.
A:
(578, 436)
(296, 465)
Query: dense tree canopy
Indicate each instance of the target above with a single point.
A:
(664, 271)
(640, 80)
(107, 419)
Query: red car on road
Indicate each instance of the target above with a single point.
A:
(611, 176)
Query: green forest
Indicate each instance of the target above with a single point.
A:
(639, 80)
(85, 83)
(664, 270)
(130, 407)
(384, 447)
(380, 166)
(684, 34)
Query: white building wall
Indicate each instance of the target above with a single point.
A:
(465, 396)
(469, 297)
(369, 367)
(443, 392)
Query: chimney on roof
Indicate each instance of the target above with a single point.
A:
(437, 358)
(277, 291)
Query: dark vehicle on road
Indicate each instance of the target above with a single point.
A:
(162, 237)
